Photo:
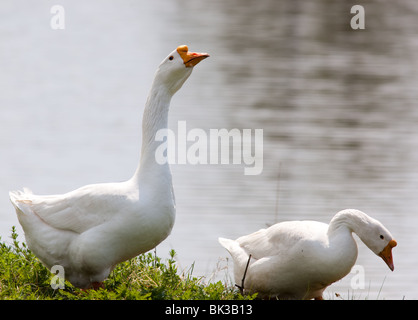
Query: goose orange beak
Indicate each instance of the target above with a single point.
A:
(190, 59)
(386, 254)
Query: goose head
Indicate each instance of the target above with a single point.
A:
(373, 233)
(380, 241)
(174, 70)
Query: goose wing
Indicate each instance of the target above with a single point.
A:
(282, 238)
(76, 211)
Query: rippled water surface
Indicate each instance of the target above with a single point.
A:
(338, 109)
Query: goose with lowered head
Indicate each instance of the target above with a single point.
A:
(299, 259)
(91, 229)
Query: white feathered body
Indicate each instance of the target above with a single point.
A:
(299, 259)
(291, 260)
(91, 229)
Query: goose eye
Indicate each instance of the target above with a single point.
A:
(381, 236)
(171, 58)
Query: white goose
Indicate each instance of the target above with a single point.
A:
(299, 259)
(91, 229)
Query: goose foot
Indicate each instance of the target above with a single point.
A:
(97, 285)
(319, 298)
(94, 286)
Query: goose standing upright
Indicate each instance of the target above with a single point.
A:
(90, 230)
(299, 259)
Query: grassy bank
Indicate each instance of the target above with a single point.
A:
(22, 276)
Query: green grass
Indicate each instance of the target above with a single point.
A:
(145, 277)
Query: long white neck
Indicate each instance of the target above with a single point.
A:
(155, 118)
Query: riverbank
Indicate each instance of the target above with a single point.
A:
(145, 277)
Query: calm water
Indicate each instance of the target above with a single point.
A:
(338, 108)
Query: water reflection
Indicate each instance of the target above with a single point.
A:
(336, 109)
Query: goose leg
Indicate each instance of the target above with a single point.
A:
(94, 286)
(97, 285)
